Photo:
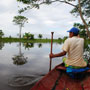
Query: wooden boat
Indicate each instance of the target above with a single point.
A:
(57, 79)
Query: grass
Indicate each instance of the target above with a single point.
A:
(29, 41)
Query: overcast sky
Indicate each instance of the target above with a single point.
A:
(55, 17)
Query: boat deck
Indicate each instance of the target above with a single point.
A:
(57, 79)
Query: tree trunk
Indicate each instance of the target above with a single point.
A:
(20, 32)
(82, 18)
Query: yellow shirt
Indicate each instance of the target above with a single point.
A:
(74, 47)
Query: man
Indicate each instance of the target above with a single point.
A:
(73, 46)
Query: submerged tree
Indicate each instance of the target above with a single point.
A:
(20, 20)
(82, 8)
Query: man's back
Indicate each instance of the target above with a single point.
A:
(74, 47)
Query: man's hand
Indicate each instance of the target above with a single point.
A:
(51, 55)
(58, 54)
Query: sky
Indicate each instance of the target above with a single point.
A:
(49, 18)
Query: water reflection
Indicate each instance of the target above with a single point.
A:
(37, 64)
(39, 45)
(19, 59)
(28, 45)
(1, 45)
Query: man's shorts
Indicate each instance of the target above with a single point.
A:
(73, 70)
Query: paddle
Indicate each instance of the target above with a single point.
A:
(51, 49)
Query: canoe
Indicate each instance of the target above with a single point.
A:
(57, 79)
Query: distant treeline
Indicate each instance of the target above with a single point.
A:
(59, 40)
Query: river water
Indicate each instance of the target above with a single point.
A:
(22, 64)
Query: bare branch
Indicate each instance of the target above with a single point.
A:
(59, 1)
(67, 3)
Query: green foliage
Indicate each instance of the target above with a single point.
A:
(30, 4)
(82, 28)
(1, 45)
(40, 36)
(28, 36)
(65, 38)
(70, 0)
(28, 7)
(36, 3)
(85, 5)
(20, 20)
(1, 34)
(33, 4)
(84, 13)
(87, 50)
(28, 45)
(25, 1)
(60, 39)
(31, 36)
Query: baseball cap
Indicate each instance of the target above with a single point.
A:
(74, 30)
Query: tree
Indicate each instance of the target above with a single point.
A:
(40, 36)
(82, 28)
(20, 20)
(28, 36)
(82, 8)
(1, 34)
(64, 38)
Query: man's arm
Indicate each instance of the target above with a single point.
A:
(58, 54)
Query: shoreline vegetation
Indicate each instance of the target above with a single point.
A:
(29, 40)
(5, 39)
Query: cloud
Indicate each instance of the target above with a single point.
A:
(6, 3)
(32, 21)
(48, 18)
(49, 22)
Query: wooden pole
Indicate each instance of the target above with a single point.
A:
(51, 50)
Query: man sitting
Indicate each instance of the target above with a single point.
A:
(73, 46)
